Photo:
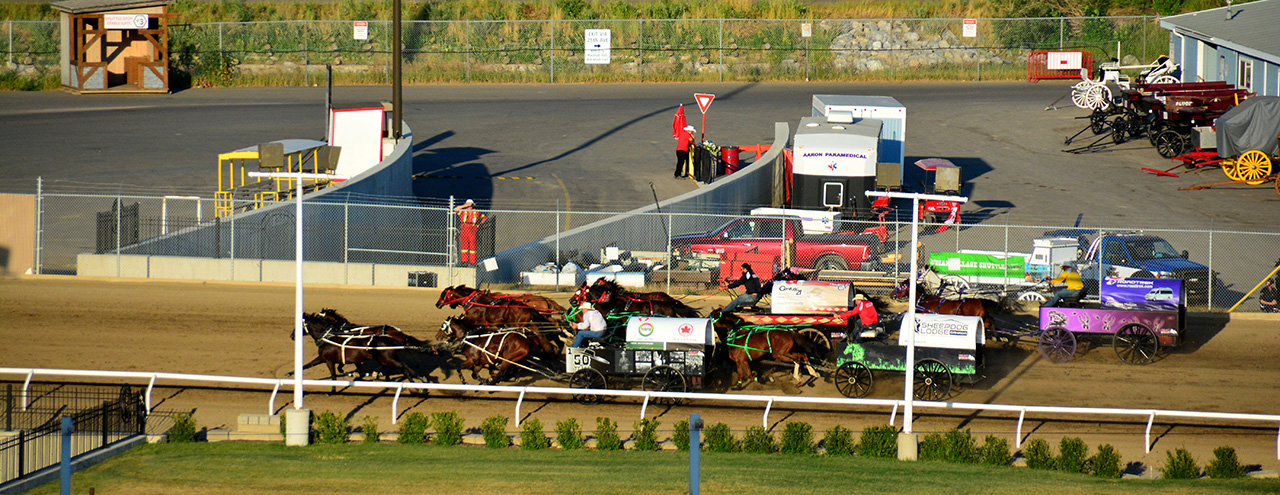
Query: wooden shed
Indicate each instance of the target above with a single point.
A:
(114, 46)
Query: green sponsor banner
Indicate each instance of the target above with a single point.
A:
(977, 265)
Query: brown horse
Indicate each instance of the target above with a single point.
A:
(500, 351)
(602, 285)
(964, 306)
(340, 325)
(485, 311)
(746, 345)
(336, 350)
(541, 304)
(609, 297)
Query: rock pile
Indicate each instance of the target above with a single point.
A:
(876, 45)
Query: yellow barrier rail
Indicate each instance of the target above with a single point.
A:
(239, 192)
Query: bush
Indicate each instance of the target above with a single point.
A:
(413, 429)
(495, 432)
(797, 438)
(607, 435)
(960, 446)
(720, 438)
(183, 430)
(1179, 465)
(933, 447)
(569, 434)
(532, 437)
(1037, 454)
(995, 451)
(1072, 454)
(646, 435)
(330, 428)
(369, 425)
(448, 426)
(1106, 463)
(879, 441)
(838, 441)
(680, 436)
(757, 440)
(1224, 464)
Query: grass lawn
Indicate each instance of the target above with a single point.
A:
(247, 468)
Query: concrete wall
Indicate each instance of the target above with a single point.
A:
(643, 228)
(257, 270)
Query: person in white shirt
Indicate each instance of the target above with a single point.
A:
(590, 325)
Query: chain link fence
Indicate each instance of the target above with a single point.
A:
(295, 52)
(71, 224)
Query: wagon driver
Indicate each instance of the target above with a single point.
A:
(590, 324)
(1074, 286)
(752, 289)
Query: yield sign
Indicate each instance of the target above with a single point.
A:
(704, 101)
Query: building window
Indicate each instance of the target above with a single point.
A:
(1244, 76)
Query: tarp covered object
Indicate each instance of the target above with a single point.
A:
(1251, 125)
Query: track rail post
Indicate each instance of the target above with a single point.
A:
(520, 401)
(26, 385)
(644, 406)
(271, 405)
(151, 386)
(395, 404)
(893, 414)
(1017, 441)
(1146, 447)
(765, 421)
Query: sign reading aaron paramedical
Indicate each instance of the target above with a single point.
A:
(598, 42)
(979, 268)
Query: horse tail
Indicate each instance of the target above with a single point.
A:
(684, 310)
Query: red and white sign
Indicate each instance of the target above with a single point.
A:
(1063, 60)
(970, 29)
(125, 21)
(704, 101)
(360, 30)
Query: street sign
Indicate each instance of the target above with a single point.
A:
(806, 30)
(970, 28)
(125, 21)
(360, 30)
(597, 46)
(704, 101)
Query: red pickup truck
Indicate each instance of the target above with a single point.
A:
(763, 237)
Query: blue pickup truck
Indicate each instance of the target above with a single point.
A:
(1138, 255)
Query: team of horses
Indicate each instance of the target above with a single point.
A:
(507, 333)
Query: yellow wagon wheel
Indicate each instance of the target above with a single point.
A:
(1229, 168)
(1253, 167)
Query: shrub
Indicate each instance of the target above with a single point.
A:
(680, 436)
(995, 451)
(797, 438)
(1072, 454)
(1224, 464)
(1179, 465)
(1037, 454)
(330, 428)
(879, 441)
(569, 434)
(838, 441)
(532, 437)
(646, 435)
(495, 432)
(413, 429)
(757, 440)
(960, 447)
(607, 435)
(933, 447)
(448, 426)
(183, 430)
(1106, 463)
(369, 425)
(720, 438)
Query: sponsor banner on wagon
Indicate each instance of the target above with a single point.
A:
(809, 297)
(1142, 292)
(944, 331)
(979, 268)
(644, 332)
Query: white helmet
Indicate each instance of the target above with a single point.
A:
(585, 305)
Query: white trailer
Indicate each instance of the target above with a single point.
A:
(833, 163)
(893, 132)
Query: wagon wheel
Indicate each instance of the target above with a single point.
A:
(956, 284)
(1153, 130)
(664, 379)
(1056, 344)
(588, 378)
(1229, 168)
(1136, 344)
(1098, 121)
(1080, 94)
(1098, 97)
(1170, 143)
(1165, 79)
(1253, 167)
(817, 337)
(854, 379)
(933, 380)
(1032, 296)
(1278, 185)
(1119, 130)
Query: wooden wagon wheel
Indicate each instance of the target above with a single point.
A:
(854, 379)
(588, 378)
(1229, 168)
(817, 337)
(1170, 143)
(1253, 167)
(1056, 344)
(933, 380)
(664, 379)
(1136, 344)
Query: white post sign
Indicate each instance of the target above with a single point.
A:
(806, 30)
(125, 21)
(597, 46)
(360, 30)
(970, 28)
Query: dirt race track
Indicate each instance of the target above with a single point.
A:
(240, 329)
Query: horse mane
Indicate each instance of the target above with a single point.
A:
(609, 285)
(334, 314)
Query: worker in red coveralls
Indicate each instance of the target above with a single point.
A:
(684, 139)
(862, 317)
(470, 221)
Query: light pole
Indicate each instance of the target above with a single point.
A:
(300, 413)
(907, 439)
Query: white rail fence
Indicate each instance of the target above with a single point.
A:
(520, 392)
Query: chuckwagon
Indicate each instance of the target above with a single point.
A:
(663, 354)
(1140, 316)
(948, 351)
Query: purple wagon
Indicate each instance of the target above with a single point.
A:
(1140, 315)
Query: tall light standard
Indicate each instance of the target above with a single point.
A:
(907, 440)
(296, 429)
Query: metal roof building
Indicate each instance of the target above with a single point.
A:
(1239, 44)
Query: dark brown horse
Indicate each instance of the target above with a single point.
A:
(541, 304)
(336, 350)
(964, 306)
(748, 344)
(500, 351)
(602, 285)
(609, 297)
(485, 311)
(340, 325)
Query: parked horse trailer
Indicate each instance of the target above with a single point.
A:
(833, 163)
(893, 134)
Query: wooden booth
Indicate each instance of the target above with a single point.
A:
(114, 46)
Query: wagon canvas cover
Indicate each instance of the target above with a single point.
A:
(1251, 125)
(645, 332)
